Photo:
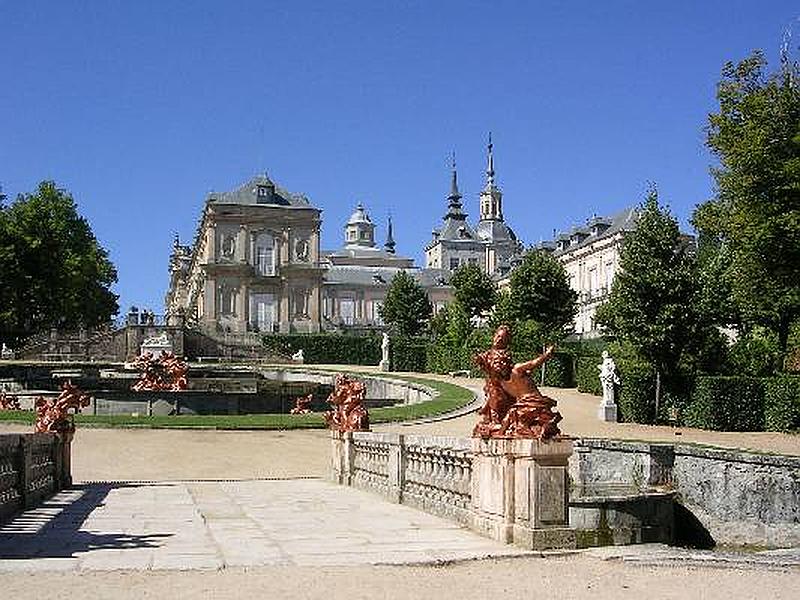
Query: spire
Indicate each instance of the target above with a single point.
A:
(454, 207)
(454, 194)
(390, 244)
(490, 165)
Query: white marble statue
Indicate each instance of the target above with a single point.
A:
(6, 353)
(298, 356)
(608, 379)
(384, 364)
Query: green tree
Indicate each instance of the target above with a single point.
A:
(55, 273)
(650, 307)
(752, 227)
(539, 291)
(406, 308)
(474, 289)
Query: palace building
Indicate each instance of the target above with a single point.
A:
(256, 266)
(491, 244)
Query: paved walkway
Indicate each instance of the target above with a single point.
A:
(219, 524)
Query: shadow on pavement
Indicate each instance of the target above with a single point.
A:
(53, 529)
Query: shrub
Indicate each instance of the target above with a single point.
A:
(727, 404)
(407, 354)
(327, 348)
(559, 370)
(587, 375)
(782, 403)
(636, 397)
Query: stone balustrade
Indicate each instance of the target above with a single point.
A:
(514, 491)
(33, 467)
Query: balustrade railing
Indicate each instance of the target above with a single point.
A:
(32, 468)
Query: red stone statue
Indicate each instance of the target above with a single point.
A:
(302, 405)
(167, 373)
(348, 412)
(8, 402)
(53, 416)
(514, 406)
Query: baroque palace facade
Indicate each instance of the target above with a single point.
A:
(256, 265)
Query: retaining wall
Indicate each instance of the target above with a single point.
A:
(730, 496)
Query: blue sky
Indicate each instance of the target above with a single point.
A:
(140, 108)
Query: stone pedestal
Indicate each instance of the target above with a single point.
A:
(607, 412)
(520, 492)
(384, 365)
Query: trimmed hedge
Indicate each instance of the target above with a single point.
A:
(327, 348)
(727, 404)
(782, 403)
(636, 397)
(587, 375)
(407, 355)
(559, 371)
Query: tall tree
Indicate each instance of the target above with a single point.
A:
(55, 273)
(474, 289)
(406, 308)
(539, 291)
(753, 224)
(651, 302)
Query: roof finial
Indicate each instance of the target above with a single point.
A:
(490, 164)
(454, 193)
(390, 244)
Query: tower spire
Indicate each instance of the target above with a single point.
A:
(490, 165)
(454, 196)
(390, 244)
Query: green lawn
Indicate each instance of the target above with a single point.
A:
(451, 397)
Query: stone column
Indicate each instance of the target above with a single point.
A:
(520, 492)
(313, 242)
(241, 244)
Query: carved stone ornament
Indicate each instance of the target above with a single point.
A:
(167, 373)
(302, 405)
(514, 407)
(53, 415)
(347, 401)
(8, 402)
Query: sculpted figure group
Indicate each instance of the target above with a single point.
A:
(53, 415)
(167, 373)
(514, 406)
(302, 405)
(348, 412)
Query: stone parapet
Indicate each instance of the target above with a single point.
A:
(511, 490)
(33, 467)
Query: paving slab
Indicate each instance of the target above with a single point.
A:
(210, 525)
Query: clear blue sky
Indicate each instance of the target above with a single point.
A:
(140, 108)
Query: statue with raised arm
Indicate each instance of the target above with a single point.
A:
(514, 406)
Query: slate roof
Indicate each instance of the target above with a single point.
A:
(623, 221)
(248, 194)
(360, 276)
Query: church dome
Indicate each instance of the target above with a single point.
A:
(359, 216)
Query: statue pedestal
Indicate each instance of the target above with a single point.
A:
(607, 412)
(520, 491)
(384, 365)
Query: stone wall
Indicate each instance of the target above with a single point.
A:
(33, 467)
(729, 496)
(378, 388)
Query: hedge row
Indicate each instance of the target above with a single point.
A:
(587, 375)
(745, 404)
(327, 348)
(782, 403)
(407, 355)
